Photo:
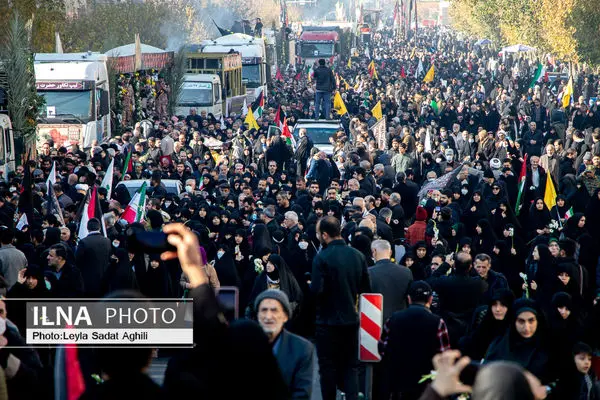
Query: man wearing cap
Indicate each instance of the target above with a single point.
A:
(295, 355)
(409, 340)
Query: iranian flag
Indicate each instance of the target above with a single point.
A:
(540, 73)
(135, 210)
(258, 105)
(108, 179)
(522, 178)
(569, 213)
(127, 166)
(90, 209)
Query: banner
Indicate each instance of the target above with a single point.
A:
(379, 130)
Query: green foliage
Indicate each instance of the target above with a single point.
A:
(16, 60)
(566, 28)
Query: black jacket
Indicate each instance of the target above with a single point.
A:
(93, 258)
(392, 281)
(324, 79)
(297, 359)
(409, 342)
(70, 283)
(339, 275)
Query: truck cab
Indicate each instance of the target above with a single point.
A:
(202, 92)
(315, 44)
(254, 59)
(77, 101)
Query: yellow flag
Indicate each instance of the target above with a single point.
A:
(567, 93)
(429, 77)
(550, 193)
(338, 104)
(377, 112)
(349, 63)
(250, 120)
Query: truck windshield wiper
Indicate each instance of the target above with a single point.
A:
(70, 115)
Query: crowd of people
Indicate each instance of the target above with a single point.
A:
(467, 256)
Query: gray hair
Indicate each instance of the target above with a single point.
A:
(381, 245)
(378, 167)
(395, 198)
(385, 213)
(292, 216)
(365, 164)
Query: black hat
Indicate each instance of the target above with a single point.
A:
(420, 291)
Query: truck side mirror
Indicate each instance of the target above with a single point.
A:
(104, 106)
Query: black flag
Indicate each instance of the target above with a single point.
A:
(222, 31)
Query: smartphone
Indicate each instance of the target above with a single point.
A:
(437, 209)
(469, 373)
(228, 298)
(141, 241)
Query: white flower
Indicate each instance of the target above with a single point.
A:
(511, 232)
(258, 266)
(523, 276)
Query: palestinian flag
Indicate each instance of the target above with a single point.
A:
(569, 213)
(298, 76)
(287, 134)
(280, 118)
(402, 73)
(136, 209)
(90, 208)
(522, 178)
(68, 378)
(278, 75)
(127, 165)
(258, 105)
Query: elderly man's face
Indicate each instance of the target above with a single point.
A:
(271, 317)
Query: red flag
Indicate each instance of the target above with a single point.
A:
(279, 118)
(331, 59)
(278, 75)
(402, 73)
(298, 76)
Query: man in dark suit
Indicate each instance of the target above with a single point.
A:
(409, 341)
(339, 276)
(389, 278)
(295, 355)
(93, 258)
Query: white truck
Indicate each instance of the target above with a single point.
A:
(77, 98)
(202, 92)
(254, 61)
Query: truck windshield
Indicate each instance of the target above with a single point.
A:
(69, 103)
(316, 50)
(196, 94)
(251, 72)
(319, 135)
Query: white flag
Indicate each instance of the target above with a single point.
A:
(22, 222)
(108, 179)
(428, 141)
(245, 108)
(52, 177)
(419, 70)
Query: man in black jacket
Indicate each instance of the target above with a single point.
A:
(305, 145)
(339, 275)
(325, 84)
(409, 341)
(459, 293)
(93, 258)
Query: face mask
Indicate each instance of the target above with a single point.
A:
(464, 191)
(430, 179)
(116, 243)
(303, 245)
(188, 189)
(471, 140)
(220, 254)
(168, 204)
(13, 189)
(438, 160)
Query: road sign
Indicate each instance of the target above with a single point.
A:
(371, 321)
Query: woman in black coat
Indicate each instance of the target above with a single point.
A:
(485, 238)
(523, 343)
(488, 324)
(538, 218)
(276, 275)
(475, 211)
(541, 273)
